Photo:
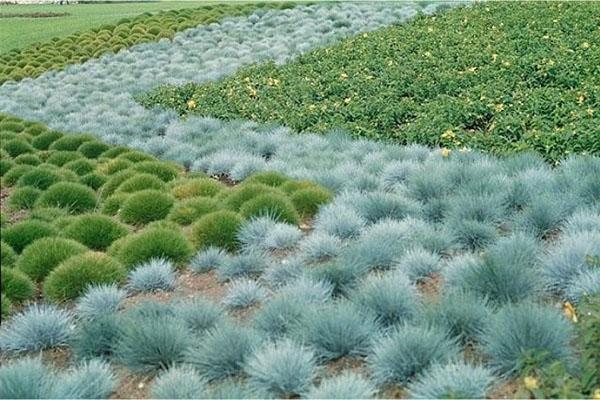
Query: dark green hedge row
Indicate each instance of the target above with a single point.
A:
(56, 53)
(501, 77)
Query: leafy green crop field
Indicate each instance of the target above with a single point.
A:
(497, 76)
(20, 32)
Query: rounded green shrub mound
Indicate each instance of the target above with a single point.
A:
(60, 158)
(93, 180)
(28, 158)
(21, 234)
(136, 156)
(307, 201)
(16, 285)
(7, 255)
(292, 186)
(146, 206)
(80, 167)
(113, 166)
(140, 182)
(43, 255)
(241, 194)
(197, 187)
(92, 149)
(152, 243)
(165, 171)
(75, 197)
(190, 210)
(274, 179)
(115, 181)
(115, 151)
(218, 229)
(112, 205)
(70, 142)
(72, 277)
(16, 147)
(95, 231)
(44, 140)
(5, 166)
(41, 178)
(274, 205)
(23, 198)
(15, 173)
(48, 214)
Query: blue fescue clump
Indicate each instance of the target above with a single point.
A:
(222, 351)
(586, 284)
(99, 300)
(198, 314)
(151, 338)
(544, 215)
(461, 313)
(25, 378)
(408, 351)
(586, 220)
(339, 220)
(347, 385)
(336, 330)
(96, 337)
(181, 382)
(242, 265)
(523, 333)
(151, 276)
(282, 369)
(341, 274)
(377, 206)
(38, 327)
(279, 315)
(208, 259)
(89, 380)
(243, 293)
(456, 380)
(390, 298)
(283, 271)
(282, 236)
(418, 263)
(320, 246)
(472, 234)
(265, 233)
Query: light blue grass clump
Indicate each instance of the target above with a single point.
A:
(582, 221)
(152, 276)
(265, 233)
(282, 369)
(524, 333)
(471, 234)
(222, 351)
(342, 274)
(395, 174)
(234, 389)
(249, 265)
(208, 259)
(347, 385)
(457, 380)
(308, 289)
(572, 256)
(418, 264)
(320, 246)
(390, 298)
(339, 220)
(198, 314)
(243, 292)
(408, 351)
(377, 206)
(96, 337)
(25, 378)
(586, 284)
(36, 328)
(282, 236)
(182, 382)
(545, 214)
(100, 300)
(282, 272)
(336, 330)
(89, 380)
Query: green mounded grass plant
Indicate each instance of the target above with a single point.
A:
(23, 198)
(217, 229)
(75, 197)
(278, 207)
(23, 233)
(95, 231)
(197, 187)
(192, 209)
(145, 206)
(16, 286)
(45, 254)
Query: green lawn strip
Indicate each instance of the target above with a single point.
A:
(73, 206)
(500, 77)
(101, 28)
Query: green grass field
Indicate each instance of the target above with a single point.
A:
(19, 32)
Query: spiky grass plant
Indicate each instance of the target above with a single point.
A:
(336, 330)
(153, 242)
(199, 314)
(25, 378)
(38, 327)
(157, 274)
(282, 369)
(308, 201)
(96, 337)
(347, 385)
(222, 351)
(95, 231)
(456, 380)
(274, 205)
(15, 285)
(407, 351)
(472, 234)
(243, 292)
(377, 206)
(281, 272)
(320, 246)
(586, 284)
(339, 220)
(75, 197)
(7, 255)
(140, 182)
(545, 214)
(279, 315)
(146, 206)
(582, 221)
(89, 380)
(22, 234)
(342, 274)
(217, 229)
(45, 254)
(181, 382)
(418, 263)
(242, 265)
(190, 210)
(524, 333)
(23, 198)
(99, 300)
(208, 259)
(390, 298)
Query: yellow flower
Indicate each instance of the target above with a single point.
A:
(471, 69)
(247, 79)
(448, 134)
(445, 152)
(347, 100)
(494, 57)
(427, 54)
(191, 104)
(596, 395)
(312, 107)
(344, 75)
(272, 82)
(585, 45)
(499, 107)
(570, 311)
(530, 382)
(590, 112)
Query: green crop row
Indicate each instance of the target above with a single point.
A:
(57, 53)
(500, 77)
(76, 211)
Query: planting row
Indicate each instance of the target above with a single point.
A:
(473, 93)
(55, 54)
(71, 198)
(96, 96)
